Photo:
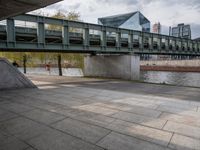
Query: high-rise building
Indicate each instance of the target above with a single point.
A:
(157, 28)
(182, 31)
(131, 21)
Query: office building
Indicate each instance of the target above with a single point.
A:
(131, 21)
(182, 31)
(157, 28)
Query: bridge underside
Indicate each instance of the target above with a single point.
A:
(10, 8)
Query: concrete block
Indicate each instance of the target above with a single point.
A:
(12, 78)
(116, 141)
(182, 129)
(113, 66)
(82, 130)
(180, 142)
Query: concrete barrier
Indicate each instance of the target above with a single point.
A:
(12, 78)
(113, 66)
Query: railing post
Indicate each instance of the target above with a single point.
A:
(24, 63)
(11, 39)
(59, 65)
(103, 38)
(86, 37)
(65, 35)
(159, 42)
(41, 32)
(151, 42)
(141, 41)
(118, 39)
(167, 43)
(130, 40)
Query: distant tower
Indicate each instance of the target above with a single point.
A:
(157, 28)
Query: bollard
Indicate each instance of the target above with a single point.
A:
(59, 65)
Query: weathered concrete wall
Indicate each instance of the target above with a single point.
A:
(113, 66)
(181, 63)
(12, 78)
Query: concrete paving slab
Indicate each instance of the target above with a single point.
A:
(188, 120)
(178, 106)
(43, 116)
(6, 138)
(55, 140)
(97, 109)
(7, 115)
(14, 145)
(95, 119)
(67, 111)
(145, 133)
(139, 119)
(30, 148)
(82, 130)
(22, 128)
(137, 102)
(116, 141)
(180, 142)
(183, 129)
(178, 111)
(133, 109)
(15, 107)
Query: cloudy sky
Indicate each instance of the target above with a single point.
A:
(167, 12)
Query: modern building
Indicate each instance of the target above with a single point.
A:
(131, 21)
(157, 28)
(182, 31)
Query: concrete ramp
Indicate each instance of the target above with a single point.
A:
(11, 77)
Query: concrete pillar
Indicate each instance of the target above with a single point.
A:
(113, 66)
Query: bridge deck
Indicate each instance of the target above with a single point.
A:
(71, 36)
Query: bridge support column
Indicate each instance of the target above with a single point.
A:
(113, 66)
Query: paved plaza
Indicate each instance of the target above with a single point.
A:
(99, 114)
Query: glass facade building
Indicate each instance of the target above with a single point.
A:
(132, 21)
(183, 31)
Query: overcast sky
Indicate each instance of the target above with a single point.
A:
(167, 12)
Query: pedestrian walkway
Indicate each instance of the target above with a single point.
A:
(97, 114)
